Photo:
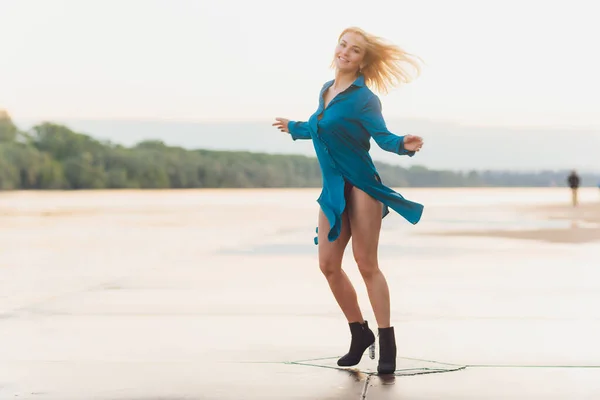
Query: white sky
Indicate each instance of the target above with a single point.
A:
(488, 62)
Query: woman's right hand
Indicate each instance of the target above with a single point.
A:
(282, 124)
(412, 142)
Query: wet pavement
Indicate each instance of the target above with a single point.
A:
(146, 305)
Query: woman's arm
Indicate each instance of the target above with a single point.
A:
(372, 120)
(299, 130)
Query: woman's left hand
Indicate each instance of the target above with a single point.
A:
(413, 143)
(282, 124)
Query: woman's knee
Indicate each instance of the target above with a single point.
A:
(367, 265)
(330, 266)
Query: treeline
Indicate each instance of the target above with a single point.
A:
(51, 156)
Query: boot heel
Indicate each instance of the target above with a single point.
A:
(372, 351)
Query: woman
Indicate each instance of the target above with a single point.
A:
(353, 200)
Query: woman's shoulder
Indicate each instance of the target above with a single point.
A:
(367, 97)
(367, 93)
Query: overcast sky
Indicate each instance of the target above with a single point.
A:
(523, 62)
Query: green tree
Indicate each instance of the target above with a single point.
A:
(82, 173)
(8, 130)
(51, 156)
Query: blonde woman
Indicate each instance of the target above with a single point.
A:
(354, 200)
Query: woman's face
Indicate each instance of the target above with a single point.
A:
(350, 52)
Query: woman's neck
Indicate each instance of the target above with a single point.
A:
(344, 79)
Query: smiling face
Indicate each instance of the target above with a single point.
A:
(350, 52)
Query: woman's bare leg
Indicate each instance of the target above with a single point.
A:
(365, 219)
(330, 262)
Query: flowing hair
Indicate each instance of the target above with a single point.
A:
(385, 64)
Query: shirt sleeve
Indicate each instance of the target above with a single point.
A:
(299, 130)
(373, 122)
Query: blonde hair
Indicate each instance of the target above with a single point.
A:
(384, 63)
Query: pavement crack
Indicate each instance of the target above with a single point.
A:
(363, 395)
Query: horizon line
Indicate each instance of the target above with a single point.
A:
(472, 124)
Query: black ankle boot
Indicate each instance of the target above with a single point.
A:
(387, 351)
(362, 338)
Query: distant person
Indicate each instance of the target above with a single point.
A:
(353, 199)
(574, 182)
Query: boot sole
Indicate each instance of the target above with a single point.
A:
(371, 355)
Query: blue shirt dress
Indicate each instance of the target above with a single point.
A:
(341, 134)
